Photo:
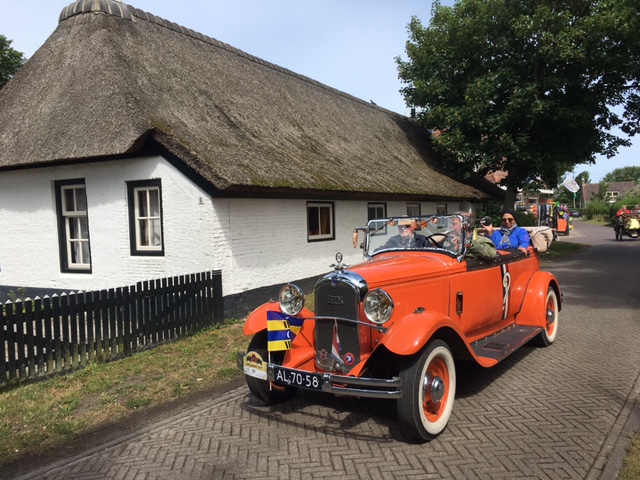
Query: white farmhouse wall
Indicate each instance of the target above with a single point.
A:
(269, 239)
(29, 254)
(254, 242)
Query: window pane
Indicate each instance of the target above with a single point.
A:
(320, 221)
(85, 252)
(84, 228)
(144, 233)
(69, 203)
(81, 199)
(314, 222)
(143, 210)
(325, 220)
(74, 233)
(156, 232)
(375, 210)
(75, 253)
(413, 209)
(154, 203)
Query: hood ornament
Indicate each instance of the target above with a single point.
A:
(339, 266)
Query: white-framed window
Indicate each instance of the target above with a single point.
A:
(73, 226)
(145, 217)
(320, 221)
(413, 209)
(441, 208)
(376, 210)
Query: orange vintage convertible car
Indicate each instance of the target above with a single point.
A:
(391, 326)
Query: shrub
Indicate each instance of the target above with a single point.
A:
(595, 209)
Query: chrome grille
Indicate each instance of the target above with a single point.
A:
(337, 341)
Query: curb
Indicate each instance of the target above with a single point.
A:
(614, 449)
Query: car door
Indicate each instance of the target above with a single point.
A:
(478, 296)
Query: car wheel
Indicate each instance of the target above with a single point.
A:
(428, 392)
(548, 334)
(263, 389)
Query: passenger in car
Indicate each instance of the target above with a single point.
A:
(478, 246)
(510, 235)
(407, 237)
(623, 211)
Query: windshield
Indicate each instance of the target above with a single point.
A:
(445, 233)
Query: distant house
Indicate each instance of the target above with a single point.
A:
(614, 190)
(132, 148)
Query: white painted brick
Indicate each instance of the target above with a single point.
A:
(255, 242)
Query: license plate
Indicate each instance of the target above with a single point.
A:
(296, 378)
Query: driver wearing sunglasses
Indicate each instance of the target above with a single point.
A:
(509, 236)
(407, 236)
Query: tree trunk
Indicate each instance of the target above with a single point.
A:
(512, 192)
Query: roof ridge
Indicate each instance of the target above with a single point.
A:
(119, 9)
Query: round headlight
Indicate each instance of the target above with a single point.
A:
(291, 299)
(378, 306)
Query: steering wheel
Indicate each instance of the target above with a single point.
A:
(434, 242)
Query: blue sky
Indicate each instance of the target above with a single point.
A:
(347, 44)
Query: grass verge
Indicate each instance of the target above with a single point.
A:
(631, 467)
(560, 250)
(36, 418)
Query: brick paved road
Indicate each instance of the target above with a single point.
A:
(554, 413)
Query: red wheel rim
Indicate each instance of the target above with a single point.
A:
(551, 315)
(436, 389)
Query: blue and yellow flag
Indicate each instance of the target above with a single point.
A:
(281, 330)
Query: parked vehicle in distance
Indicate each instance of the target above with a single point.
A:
(391, 326)
(575, 213)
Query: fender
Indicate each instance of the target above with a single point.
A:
(257, 320)
(533, 306)
(409, 334)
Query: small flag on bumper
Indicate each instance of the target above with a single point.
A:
(281, 330)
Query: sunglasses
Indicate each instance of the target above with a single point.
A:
(404, 227)
(508, 220)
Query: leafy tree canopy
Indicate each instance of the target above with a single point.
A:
(524, 86)
(623, 174)
(10, 60)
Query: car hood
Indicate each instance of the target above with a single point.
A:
(393, 267)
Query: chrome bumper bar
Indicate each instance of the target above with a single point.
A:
(338, 384)
(351, 386)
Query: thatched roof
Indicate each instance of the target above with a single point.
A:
(112, 78)
(591, 189)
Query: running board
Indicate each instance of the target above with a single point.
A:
(499, 346)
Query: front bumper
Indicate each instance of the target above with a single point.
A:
(338, 384)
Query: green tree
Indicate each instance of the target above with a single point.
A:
(10, 60)
(522, 86)
(583, 178)
(623, 174)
